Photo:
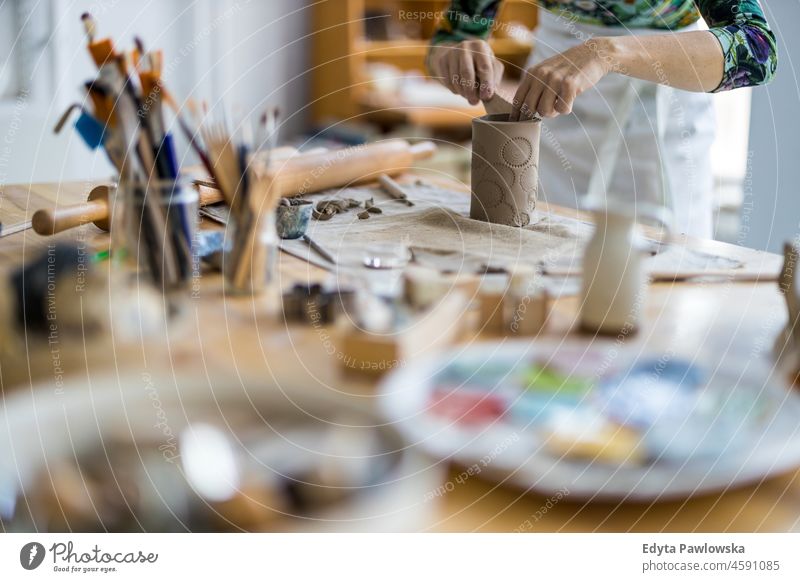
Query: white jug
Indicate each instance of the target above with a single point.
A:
(614, 281)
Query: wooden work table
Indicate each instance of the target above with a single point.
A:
(237, 336)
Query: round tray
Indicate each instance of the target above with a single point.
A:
(698, 427)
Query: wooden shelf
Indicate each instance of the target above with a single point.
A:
(341, 53)
(379, 50)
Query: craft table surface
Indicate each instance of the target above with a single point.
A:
(236, 338)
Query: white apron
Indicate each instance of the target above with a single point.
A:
(681, 121)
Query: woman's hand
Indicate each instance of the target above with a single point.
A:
(468, 68)
(550, 87)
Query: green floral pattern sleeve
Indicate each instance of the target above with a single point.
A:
(747, 42)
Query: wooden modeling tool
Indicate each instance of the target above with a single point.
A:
(394, 189)
(499, 105)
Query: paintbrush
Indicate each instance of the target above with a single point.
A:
(101, 50)
(224, 159)
(190, 135)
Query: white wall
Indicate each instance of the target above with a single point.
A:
(771, 211)
(251, 52)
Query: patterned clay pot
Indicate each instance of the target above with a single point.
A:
(505, 169)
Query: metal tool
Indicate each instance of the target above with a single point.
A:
(319, 250)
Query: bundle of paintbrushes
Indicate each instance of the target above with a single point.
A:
(154, 214)
(252, 195)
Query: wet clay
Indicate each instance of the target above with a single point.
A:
(505, 169)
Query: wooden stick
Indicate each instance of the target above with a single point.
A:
(393, 189)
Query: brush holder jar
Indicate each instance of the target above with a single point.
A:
(505, 170)
(154, 230)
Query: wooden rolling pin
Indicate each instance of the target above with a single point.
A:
(309, 173)
(49, 221)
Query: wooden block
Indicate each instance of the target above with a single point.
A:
(491, 318)
(526, 315)
(375, 354)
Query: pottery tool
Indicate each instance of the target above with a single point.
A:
(14, 228)
(498, 105)
(394, 189)
(318, 249)
(89, 128)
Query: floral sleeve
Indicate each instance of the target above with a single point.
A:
(466, 19)
(748, 44)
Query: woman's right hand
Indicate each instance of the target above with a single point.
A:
(468, 68)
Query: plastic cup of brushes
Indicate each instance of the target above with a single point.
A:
(251, 253)
(154, 229)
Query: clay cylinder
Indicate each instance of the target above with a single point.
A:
(505, 169)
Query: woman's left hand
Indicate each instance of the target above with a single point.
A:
(550, 87)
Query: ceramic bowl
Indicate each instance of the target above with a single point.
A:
(292, 221)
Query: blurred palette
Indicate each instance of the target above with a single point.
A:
(601, 421)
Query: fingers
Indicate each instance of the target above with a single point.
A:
(567, 94)
(485, 69)
(439, 65)
(450, 72)
(498, 70)
(526, 104)
(547, 102)
(519, 98)
(468, 69)
(467, 86)
(545, 91)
